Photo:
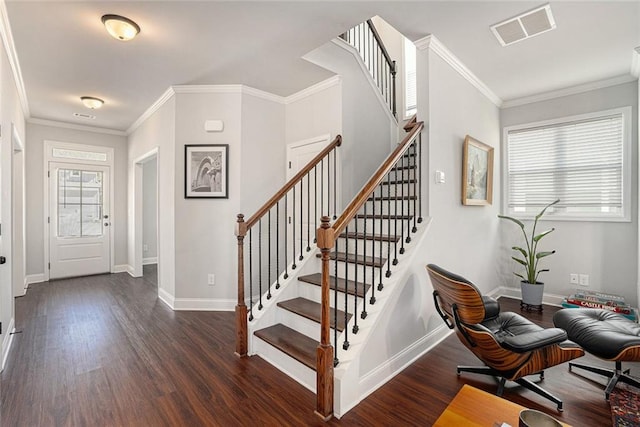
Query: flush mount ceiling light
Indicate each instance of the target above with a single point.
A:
(524, 26)
(91, 102)
(120, 28)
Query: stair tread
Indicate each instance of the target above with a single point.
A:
(404, 167)
(313, 311)
(360, 259)
(405, 181)
(369, 236)
(377, 198)
(299, 346)
(349, 285)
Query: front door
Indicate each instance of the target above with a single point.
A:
(79, 220)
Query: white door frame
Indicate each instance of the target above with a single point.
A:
(138, 165)
(50, 156)
(20, 285)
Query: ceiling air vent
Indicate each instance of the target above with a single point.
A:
(524, 26)
(84, 116)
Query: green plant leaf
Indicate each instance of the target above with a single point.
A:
(519, 261)
(545, 208)
(520, 276)
(520, 223)
(544, 254)
(541, 235)
(522, 251)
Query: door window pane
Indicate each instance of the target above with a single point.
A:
(79, 203)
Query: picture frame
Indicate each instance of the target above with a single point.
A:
(206, 171)
(477, 173)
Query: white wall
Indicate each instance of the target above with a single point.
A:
(157, 132)
(10, 113)
(150, 208)
(394, 43)
(606, 251)
(366, 127)
(36, 135)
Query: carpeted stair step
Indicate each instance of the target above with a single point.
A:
(349, 285)
(361, 260)
(291, 342)
(313, 311)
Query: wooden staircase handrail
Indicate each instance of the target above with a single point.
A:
(410, 123)
(347, 215)
(383, 49)
(337, 141)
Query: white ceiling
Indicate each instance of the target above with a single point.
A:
(64, 51)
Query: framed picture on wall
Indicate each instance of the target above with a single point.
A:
(477, 173)
(206, 171)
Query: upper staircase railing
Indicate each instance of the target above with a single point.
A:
(391, 202)
(365, 38)
(280, 233)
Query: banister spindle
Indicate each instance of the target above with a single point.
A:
(315, 203)
(345, 343)
(419, 160)
(250, 274)
(269, 255)
(308, 213)
(402, 202)
(388, 273)
(335, 192)
(357, 276)
(278, 245)
(415, 193)
(395, 220)
(293, 229)
(286, 235)
(301, 222)
(260, 264)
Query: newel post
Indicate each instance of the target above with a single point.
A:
(241, 308)
(324, 353)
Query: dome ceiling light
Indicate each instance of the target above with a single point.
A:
(91, 102)
(120, 28)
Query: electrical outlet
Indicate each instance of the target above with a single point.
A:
(211, 279)
(145, 247)
(584, 280)
(573, 279)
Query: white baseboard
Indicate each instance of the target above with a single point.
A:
(6, 342)
(121, 268)
(502, 291)
(33, 278)
(166, 298)
(392, 367)
(150, 260)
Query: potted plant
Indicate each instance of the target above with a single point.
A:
(528, 257)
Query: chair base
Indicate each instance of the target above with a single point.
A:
(615, 376)
(485, 370)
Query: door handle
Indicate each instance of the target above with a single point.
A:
(106, 217)
(106, 224)
(3, 260)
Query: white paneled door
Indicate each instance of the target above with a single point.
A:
(79, 220)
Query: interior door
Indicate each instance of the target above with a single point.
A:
(79, 220)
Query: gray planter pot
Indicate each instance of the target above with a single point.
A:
(532, 293)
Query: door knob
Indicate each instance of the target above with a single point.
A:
(3, 260)
(106, 224)
(106, 217)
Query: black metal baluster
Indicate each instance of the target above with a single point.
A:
(308, 212)
(335, 305)
(357, 270)
(402, 178)
(388, 273)
(419, 160)
(364, 271)
(293, 229)
(345, 343)
(278, 245)
(315, 204)
(372, 300)
(395, 220)
(269, 255)
(415, 185)
(286, 235)
(335, 193)
(322, 188)
(301, 220)
(250, 275)
(260, 264)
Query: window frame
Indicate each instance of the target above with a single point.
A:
(555, 215)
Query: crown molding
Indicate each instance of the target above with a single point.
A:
(635, 62)
(312, 90)
(167, 95)
(65, 125)
(248, 90)
(10, 48)
(200, 89)
(432, 43)
(573, 90)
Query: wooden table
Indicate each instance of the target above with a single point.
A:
(475, 408)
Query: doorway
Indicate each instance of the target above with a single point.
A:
(146, 257)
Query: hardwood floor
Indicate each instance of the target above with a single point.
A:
(104, 351)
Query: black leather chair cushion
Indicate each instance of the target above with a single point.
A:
(520, 335)
(491, 307)
(600, 332)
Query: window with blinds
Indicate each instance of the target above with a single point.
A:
(410, 97)
(583, 161)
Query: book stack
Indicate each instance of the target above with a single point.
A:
(592, 299)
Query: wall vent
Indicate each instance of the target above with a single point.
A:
(524, 26)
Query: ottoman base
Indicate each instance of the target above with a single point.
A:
(617, 375)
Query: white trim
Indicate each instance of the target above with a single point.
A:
(12, 55)
(383, 373)
(573, 90)
(138, 168)
(7, 342)
(248, 90)
(314, 89)
(431, 42)
(626, 166)
(120, 268)
(65, 125)
(365, 71)
(503, 291)
(30, 279)
(635, 62)
(166, 298)
(150, 260)
(200, 89)
(166, 96)
(204, 304)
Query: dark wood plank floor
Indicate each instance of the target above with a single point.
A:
(104, 351)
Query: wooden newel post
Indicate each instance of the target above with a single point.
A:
(241, 307)
(324, 353)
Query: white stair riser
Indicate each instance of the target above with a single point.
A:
(301, 324)
(314, 293)
(287, 364)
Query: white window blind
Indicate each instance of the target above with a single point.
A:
(410, 96)
(580, 162)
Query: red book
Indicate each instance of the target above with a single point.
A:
(594, 304)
